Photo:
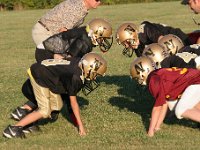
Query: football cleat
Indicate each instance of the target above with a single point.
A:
(54, 115)
(19, 113)
(33, 127)
(13, 131)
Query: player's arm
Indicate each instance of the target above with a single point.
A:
(62, 29)
(161, 118)
(154, 119)
(76, 110)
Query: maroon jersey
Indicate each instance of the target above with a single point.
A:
(194, 37)
(169, 83)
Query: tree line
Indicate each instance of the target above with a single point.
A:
(41, 4)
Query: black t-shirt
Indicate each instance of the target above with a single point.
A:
(150, 32)
(195, 49)
(176, 61)
(59, 78)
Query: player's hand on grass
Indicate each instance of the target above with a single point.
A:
(82, 131)
(156, 129)
(150, 133)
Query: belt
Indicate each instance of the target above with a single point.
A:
(43, 25)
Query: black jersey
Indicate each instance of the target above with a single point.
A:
(80, 44)
(150, 32)
(76, 43)
(176, 61)
(195, 49)
(59, 78)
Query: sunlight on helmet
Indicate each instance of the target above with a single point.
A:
(140, 68)
(156, 52)
(100, 32)
(171, 43)
(127, 35)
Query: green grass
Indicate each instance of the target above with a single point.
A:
(116, 115)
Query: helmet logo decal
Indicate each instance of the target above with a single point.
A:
(149, 52)
(96, 65)
(139, 68)
(100, 31)
(170, 45)
(129, 29)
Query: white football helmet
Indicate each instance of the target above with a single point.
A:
(140, 68)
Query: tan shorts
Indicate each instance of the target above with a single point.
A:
(39, 34)
(47, 100)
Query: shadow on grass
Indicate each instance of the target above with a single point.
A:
(137, 99)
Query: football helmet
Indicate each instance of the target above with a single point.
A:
(100, 32)
(92, 65)
(156, 52)
(140, 69)
(127, 35)
(171, 43)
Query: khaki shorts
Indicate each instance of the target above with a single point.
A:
(47, 100)
(39, 34)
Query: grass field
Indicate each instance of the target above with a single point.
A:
(116, 115)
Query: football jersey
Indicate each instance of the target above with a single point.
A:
(195, 49)
(194, 36)
(176, 61)
(77, 43)
(150, 32)
(59, 78)
(169, 83)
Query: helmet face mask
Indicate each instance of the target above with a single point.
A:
(127, 35)
(140, 68)
(90, 86)
(104, 43)
(92, 65)
(100, 32)
(171, 43)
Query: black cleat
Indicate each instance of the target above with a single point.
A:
(33, 127)
(13, 131)
(54, 115)
(19, 113)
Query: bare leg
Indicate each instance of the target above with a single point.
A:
(193, 114)
(27, 107)
(197, 106)
(30, 118)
